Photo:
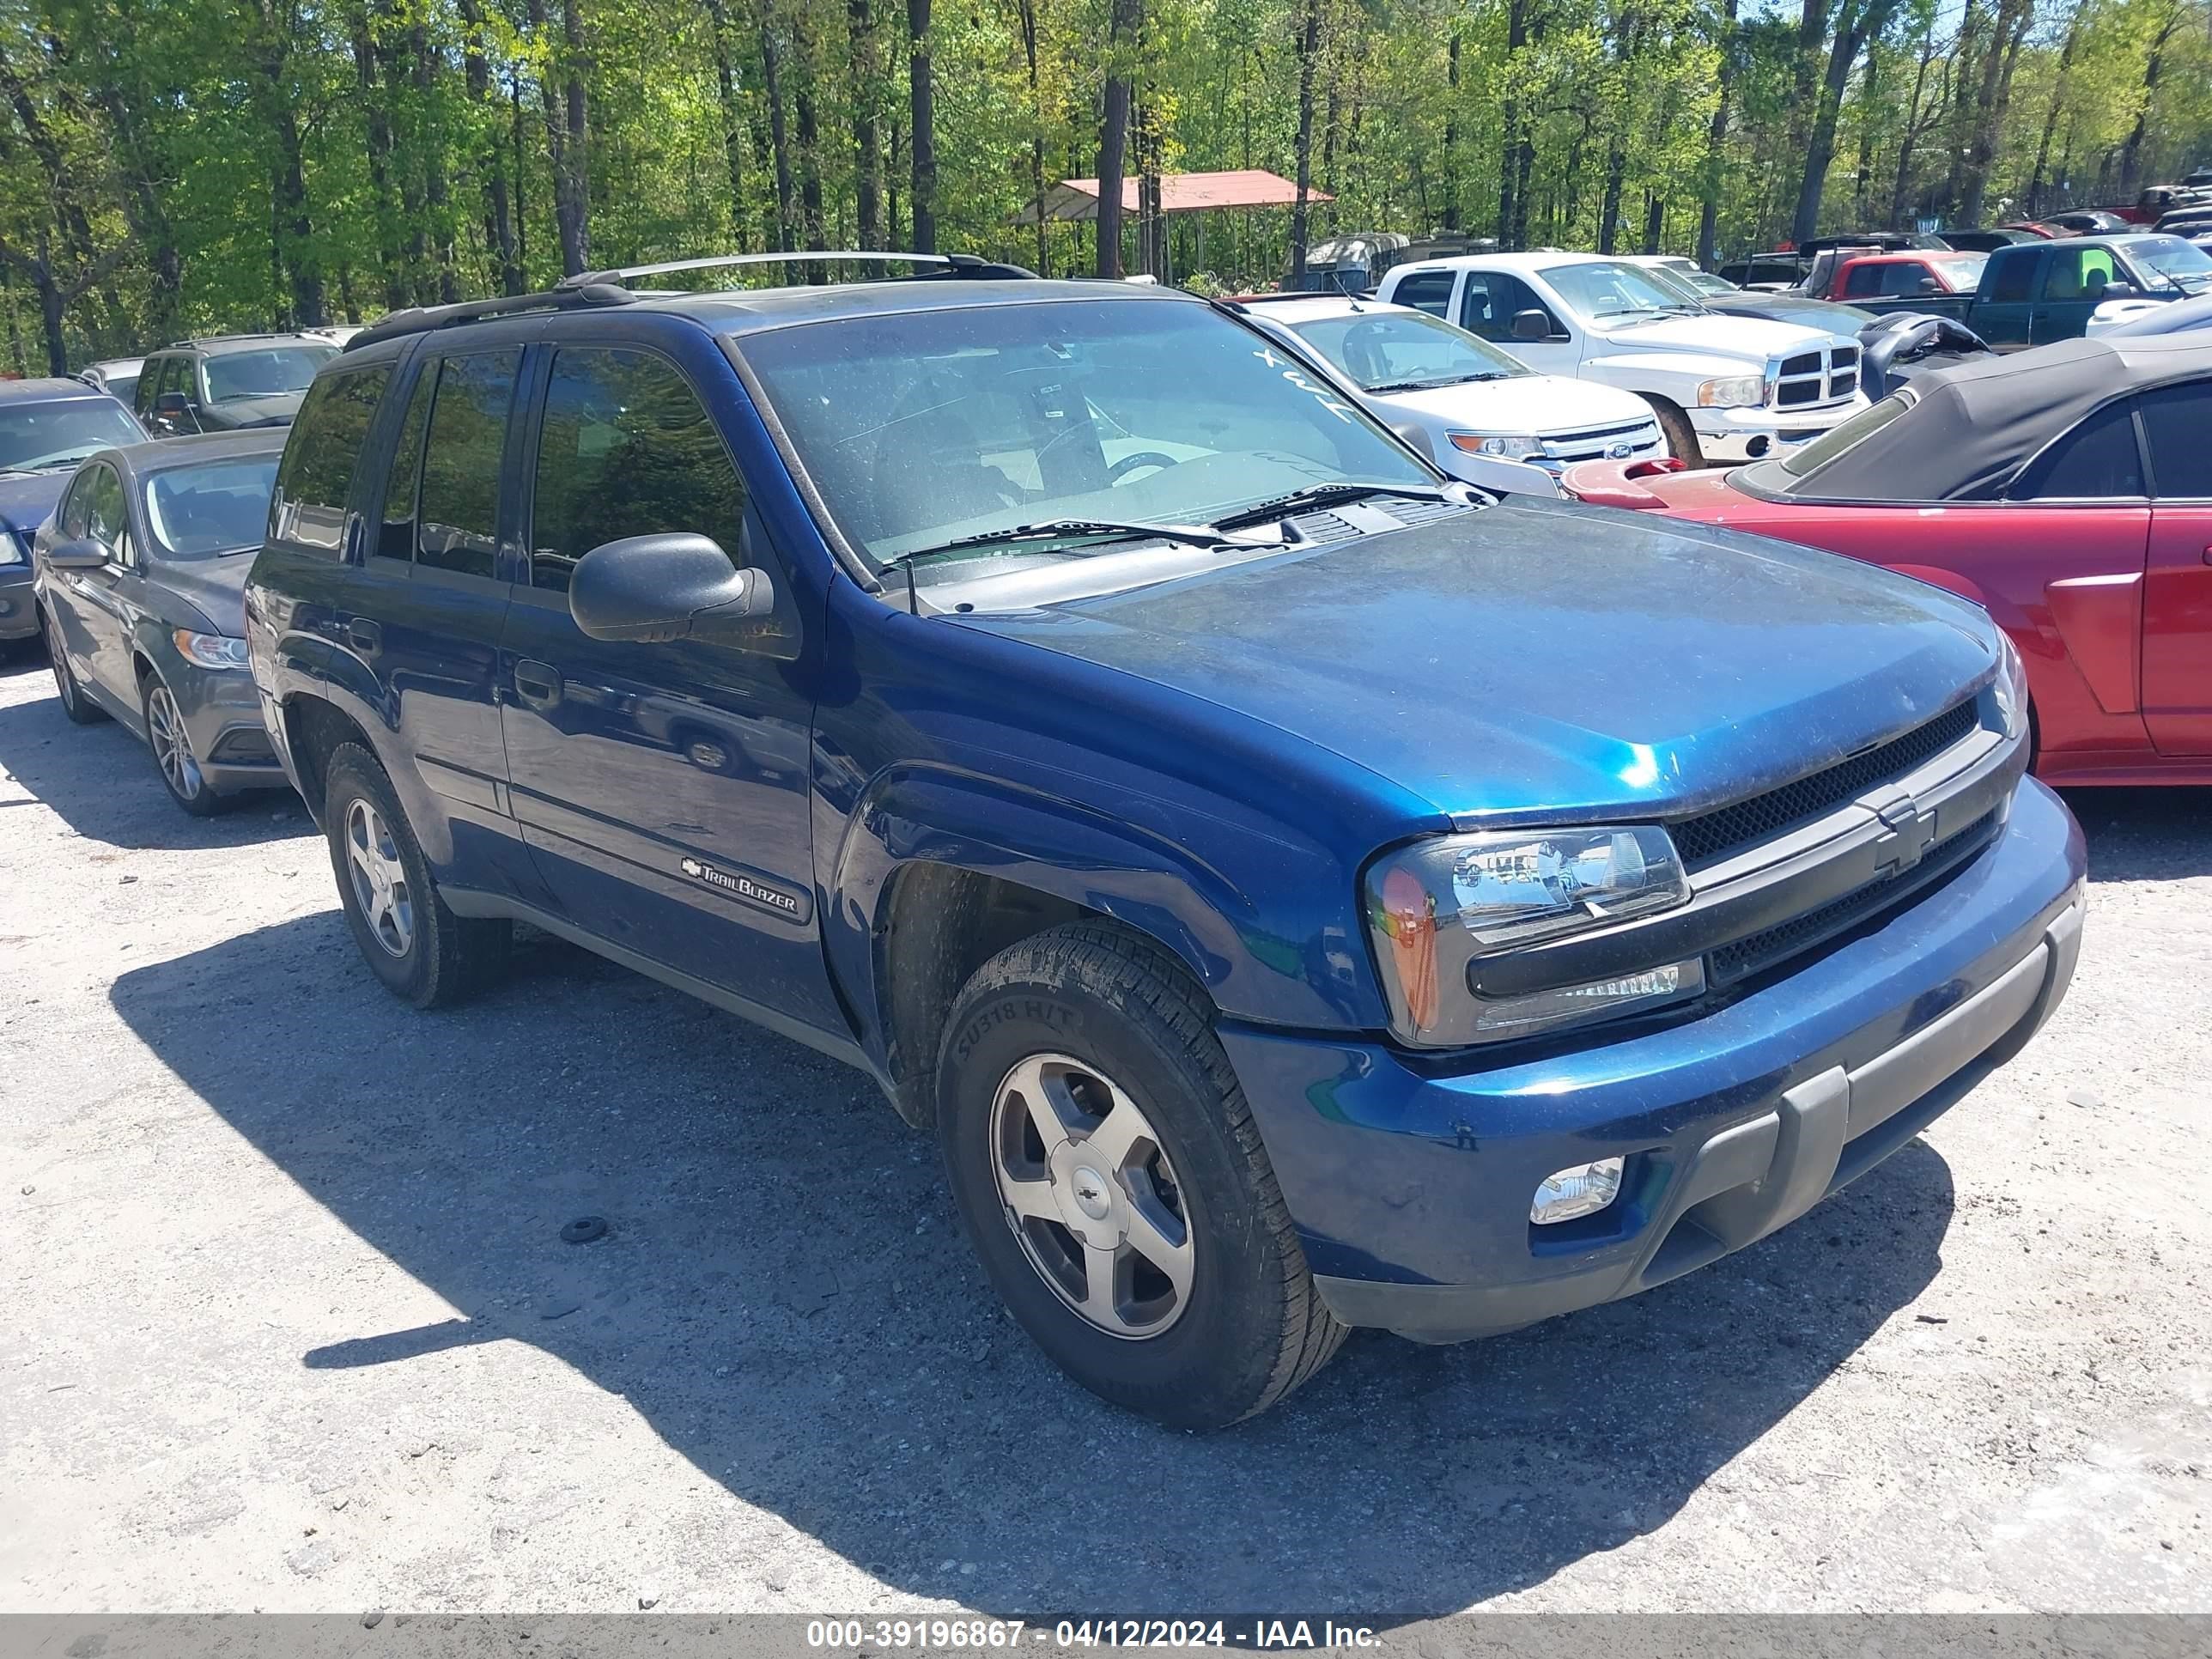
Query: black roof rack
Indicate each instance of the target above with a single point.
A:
(416, 320)
(938, 266)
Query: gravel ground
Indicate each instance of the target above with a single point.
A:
(290, 1325)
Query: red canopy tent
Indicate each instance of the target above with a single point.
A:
(1074, 200)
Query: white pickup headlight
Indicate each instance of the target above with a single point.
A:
(1437, 906)
(210, 650)
(1736, 391)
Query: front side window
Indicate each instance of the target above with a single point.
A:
(205, 511)
(104, 520)
(315, 478)
(1493, 299)
(626, 449)
(458, 526)
(921, 428)
(274, 371)
(1391, 351)
(2078, 273)
(2176, 420)
(2098, 460)
(36, 436)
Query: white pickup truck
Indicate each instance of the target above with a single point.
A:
(1725, 388)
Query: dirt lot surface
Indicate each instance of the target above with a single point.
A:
(290, 1325)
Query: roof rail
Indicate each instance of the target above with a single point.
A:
(418, 320)
(934, 264)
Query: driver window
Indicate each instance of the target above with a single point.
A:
(626, 449)
(2098, 460)
(1493, 300)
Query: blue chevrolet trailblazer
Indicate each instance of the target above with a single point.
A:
(1300, 890)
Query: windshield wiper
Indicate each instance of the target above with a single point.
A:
(54, 463)
(1189, 535)
(1431, 386)
(1324, 495)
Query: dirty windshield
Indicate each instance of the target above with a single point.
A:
(926, 428)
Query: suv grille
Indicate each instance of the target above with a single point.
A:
(1800, 933)
(1710, 836)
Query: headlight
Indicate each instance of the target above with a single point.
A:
(14, 547)
(210, 650)
(1436, 909)
(2011, 687)
(1514, 447)
(1738, 391)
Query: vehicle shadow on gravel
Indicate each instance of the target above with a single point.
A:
(782, 1294)
(102, 782)
(2145, 835)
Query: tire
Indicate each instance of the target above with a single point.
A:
(1093, 1021)
(171, 747)
(421, 950)
(80, 709)
(1682, 437)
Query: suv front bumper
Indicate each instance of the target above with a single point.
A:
(1410, 1182)
(1750, 434)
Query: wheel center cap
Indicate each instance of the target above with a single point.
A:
(1089, 1187)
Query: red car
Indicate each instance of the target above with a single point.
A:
(2068, 489)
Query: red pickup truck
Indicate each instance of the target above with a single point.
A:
(1918, 274)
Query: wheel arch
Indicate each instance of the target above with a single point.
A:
(314, 729)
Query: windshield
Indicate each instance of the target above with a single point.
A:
(1782, 476)
(1405, 351)
(1607, 287)
(1683, 284)
(222, 506)
(2179, 264)
(35, 435)
(923, 428)
(264, 374)
(1962, 271)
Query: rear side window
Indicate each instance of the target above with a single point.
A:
(459, 524)
(315, 479)
(626, 449)
(1425, 290)
(2175, 419)
(2015, 277)
(2098, 460)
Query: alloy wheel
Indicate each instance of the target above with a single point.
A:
(172, 744)
(380, 887)
(1089, 1191)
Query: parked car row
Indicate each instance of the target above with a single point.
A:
(1226, 769)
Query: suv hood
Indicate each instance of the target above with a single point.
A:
(237, 413)
(1544, 404)
(1545, 659)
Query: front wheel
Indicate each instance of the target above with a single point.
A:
(1113, 1183)
(1682, 437)
(172, 744)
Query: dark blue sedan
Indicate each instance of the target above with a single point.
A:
(46, 427)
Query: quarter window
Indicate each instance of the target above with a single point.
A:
(2015, 278)
(315, 478)
(459, 526)
(395, 536)
(626, 449)
(1425, 290)
(2097, 461)
(2175, 419)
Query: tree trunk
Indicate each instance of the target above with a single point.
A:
(2057, 102)
(868, 139)
(1856, 24)
(1451, 128)
(778, 136)
(1516, 152)
(2154, 67)
(810, 136)
(921, 104)
(1123, 23)
(1309, 51)
(1717, 141)
(1029, 21)
(734, 122)
(1991, 98)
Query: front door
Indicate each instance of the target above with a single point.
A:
(2177, 657)
(1492, 299)
(2074, 279)
(663, 789)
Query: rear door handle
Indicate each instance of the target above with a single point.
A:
(538, 683)
(367, 637)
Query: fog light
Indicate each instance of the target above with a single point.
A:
(1577, 1190)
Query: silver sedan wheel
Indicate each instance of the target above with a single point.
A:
(1089, 1191)
(172, 744)
(379, 879)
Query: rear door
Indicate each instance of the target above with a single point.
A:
(663, 789)
(2177, 646)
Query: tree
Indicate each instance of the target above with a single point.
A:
(1127, 18)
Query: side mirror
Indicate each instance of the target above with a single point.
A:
(171, 403)
(2119, 291)
(82, 553)
(1531, 325)
(657, 588)
(1495, 474)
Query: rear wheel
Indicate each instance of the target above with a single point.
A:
(411, 941)
(80, 709)
(1113, 1183)
(172, 744)
(1682, 437)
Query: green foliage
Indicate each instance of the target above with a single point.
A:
(172, 165)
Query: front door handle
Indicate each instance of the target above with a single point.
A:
(538, 684)
(367, 637)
